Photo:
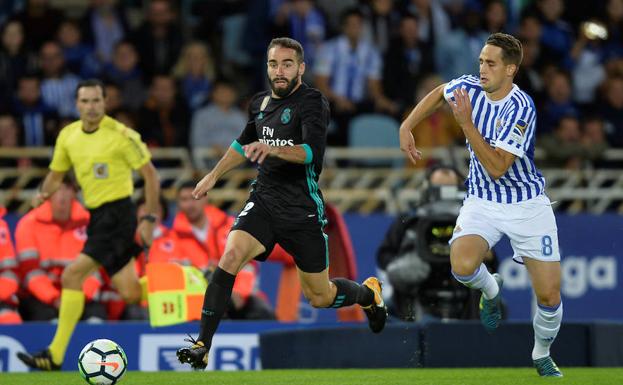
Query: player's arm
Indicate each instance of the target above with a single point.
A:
(51, 183)
(147, 222)
(495, 161)
(233, 157)
(429, 104)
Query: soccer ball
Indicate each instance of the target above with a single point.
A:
(102, 362)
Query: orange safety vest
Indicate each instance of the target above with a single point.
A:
(205, 255)
(45, 247)
(8, 265)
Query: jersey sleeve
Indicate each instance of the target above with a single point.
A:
(314, 121)
(60, 159)
(453, 84)
(514, 131)
(134, 150)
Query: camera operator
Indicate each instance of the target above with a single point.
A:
(415, 255)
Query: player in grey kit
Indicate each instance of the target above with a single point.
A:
(286, 135)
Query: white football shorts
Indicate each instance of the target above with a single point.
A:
(530, 225)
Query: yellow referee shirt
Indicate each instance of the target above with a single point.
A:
(103, 160)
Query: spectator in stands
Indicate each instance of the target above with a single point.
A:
(124, 71)
(459, 50)
(586, 61)
(614, 23)
(48, 238)
(201, 230)
(495, 16)
(612, 110)
(217, 124)
(163, 119)
(158, 40)
(381, 21)
(195, 74)
(557, 35)
(114, 98)
(104, 25)
(9, 281)
(42, 21)
(558, 102)
(594, 140)
(569, 148)
(528, 78)
(405, 64)
(438, 129)
(434, 24)
(57, 84)
(304, 22)
(15, 59)
(39, 121)
(79, 57)
(8, 132)
(348, 72)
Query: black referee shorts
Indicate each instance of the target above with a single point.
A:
(110, 235)
(305, 241)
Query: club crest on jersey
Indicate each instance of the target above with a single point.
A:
(286, 115)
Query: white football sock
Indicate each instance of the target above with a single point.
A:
(546, 324)
(482, 280)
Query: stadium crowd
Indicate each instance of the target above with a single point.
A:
(182, 72)
(168, 65)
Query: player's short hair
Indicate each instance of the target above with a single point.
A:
(287, 42)
(91, 83)
(512, 51)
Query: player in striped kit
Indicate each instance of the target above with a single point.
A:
(506, 192)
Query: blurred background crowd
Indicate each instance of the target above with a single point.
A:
(181, 72)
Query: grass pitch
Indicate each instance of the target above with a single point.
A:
(482, 376)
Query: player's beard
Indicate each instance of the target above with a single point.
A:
(283, 92)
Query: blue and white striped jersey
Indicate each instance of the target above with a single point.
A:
(509, 124)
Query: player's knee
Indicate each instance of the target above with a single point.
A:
(72, 278)
(550, 298)
(131, 294)
(232, 259)
(464, 266)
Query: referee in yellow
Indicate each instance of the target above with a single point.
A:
(103, 152)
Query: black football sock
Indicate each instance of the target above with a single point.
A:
(215, 303)
(350, 292)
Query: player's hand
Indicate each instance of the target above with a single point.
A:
(39, 198)
(146, 231)
(407, 145)
(461, 107)
(206, 184)
(256, 151)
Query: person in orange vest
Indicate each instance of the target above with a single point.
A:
(9, 282)
(201, 234)
(48, 238)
